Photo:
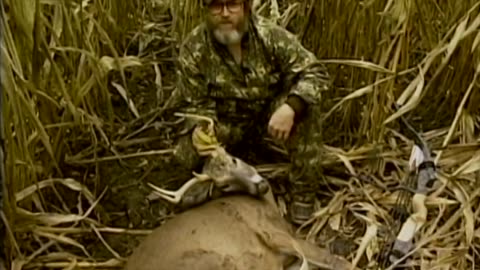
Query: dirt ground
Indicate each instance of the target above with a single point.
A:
(126, 204)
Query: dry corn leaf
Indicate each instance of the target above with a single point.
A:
(458, 114)
(475, 50)
(8, 83)
(478, 62)
(414, 99)
(471, 166)
(459, 33)
(50, 219)
(123, 93)
(335, 221)
(61, 255)
(467, 126)
(347, 164)
(367, 238)
(68, 182)
(57, 27)
(462, 197)
(358, 63)
(372, 249)
(365, 207)
(72, 265)
(437, 201)
(62, 239)
(53, 219)
(18, 264)
(108, 63)
(400, 10)
(474, 26)
(477, 233)
(355, 94)
(51, 2)
(159, 85)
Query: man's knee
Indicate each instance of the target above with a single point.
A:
(305, 146)
(306, 166)
(307, 129)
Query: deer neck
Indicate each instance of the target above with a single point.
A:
(270, 199)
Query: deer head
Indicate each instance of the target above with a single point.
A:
(233, 174)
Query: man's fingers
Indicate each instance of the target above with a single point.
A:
(285, 135)
(271, 131)
(278, 133)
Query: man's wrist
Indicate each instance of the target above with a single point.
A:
(297, 104)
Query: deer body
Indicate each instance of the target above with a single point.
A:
(234, 232)
(241, 232)
(212, 236)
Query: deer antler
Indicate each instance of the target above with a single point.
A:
(206, 144)
(225, 171)
(176, 196)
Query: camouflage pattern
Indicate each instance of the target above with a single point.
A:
(241, 98)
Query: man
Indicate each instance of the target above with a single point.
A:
(254, 79)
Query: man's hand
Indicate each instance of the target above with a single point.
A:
(281, 122)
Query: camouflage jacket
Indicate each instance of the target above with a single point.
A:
(273, 61)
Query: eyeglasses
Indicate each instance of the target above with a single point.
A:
(232, 6)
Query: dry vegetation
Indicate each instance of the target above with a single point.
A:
(85, 84)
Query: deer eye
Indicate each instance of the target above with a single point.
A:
(234, 161)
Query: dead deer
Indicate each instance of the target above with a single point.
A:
(228, 173)
(230, 232)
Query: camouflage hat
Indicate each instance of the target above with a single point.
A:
(208, 2)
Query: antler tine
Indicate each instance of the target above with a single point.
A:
(195, 116)
(176, 196)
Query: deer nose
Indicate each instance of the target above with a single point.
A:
(262, 187)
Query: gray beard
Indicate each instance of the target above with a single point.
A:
(231, 36)
(228, 37)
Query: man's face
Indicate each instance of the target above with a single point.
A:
(226, 19)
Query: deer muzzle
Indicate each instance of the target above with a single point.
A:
(254, 185)
(261, 186)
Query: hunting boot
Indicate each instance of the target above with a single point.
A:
(302, 204)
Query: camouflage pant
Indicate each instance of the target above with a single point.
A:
(303, 144)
